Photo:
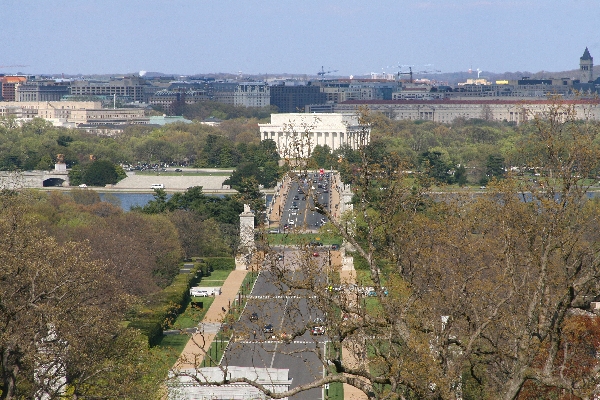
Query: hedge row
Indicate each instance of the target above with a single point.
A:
(163, 307)
(220, 263)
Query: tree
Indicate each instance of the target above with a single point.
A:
(471, 296)
(60, 328)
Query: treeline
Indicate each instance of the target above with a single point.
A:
(465, 152)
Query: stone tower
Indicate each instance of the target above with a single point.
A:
(586, 67)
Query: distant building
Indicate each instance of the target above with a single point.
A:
(130, 88)
(293, 98)
(50, 110)
(41, 91)
(222, 92)
(252, 94)
(109, 116)
(8, 86)
(165, 119)
(297, 134)
(586, 67)
(448, 110)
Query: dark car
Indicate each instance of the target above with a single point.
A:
(254, 317)
(335, 246)
(178, 170)
(296, 198)
(268, 328)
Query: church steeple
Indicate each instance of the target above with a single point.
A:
(586, 66)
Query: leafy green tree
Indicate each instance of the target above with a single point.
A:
(322, 157)
(436, 167)
(100, 173)
(460, 175)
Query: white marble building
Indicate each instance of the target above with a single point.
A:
(296, 134)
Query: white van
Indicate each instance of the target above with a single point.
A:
(157, 186)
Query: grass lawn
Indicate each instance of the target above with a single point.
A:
(191, 316)
(216, 278)
(335, 392)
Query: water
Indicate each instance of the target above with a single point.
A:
(128, 200)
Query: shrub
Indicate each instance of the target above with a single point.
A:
(220, 263)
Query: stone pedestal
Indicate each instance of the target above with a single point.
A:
(247, 245)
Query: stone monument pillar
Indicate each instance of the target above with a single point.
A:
(247, 246)
(60, 165)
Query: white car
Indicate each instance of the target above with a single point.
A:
(157, 186)
(83, 185)
(198, 293)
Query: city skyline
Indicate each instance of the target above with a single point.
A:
(349, 37)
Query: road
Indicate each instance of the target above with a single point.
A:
(299, 211)
(287, 311)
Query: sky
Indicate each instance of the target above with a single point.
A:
(352, 37)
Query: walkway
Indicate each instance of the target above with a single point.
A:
(199, 344)
(348, 276)
(279, 203)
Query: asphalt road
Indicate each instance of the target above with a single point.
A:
(299, 211)
(286, 311)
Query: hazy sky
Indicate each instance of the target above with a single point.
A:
(269, 37)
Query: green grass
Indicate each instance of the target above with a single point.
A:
(335, 392)
(191, 316)
(216, 278)
(171, 347)
(215, 352)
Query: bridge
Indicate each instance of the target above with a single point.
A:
(33, 179)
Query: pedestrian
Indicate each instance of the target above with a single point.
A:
(223, 308)
(254, 333)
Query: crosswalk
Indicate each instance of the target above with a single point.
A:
(280, 341)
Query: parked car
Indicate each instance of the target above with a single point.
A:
(157, 186)
(198, 293)
(254, 317)
(268, 328)
(335, 246)
(178, 170)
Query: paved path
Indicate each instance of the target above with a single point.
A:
(193, 353)
(348, 276)
(279, 203)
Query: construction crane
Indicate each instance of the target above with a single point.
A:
(322, 72)
(13, 66)
(410, 72)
